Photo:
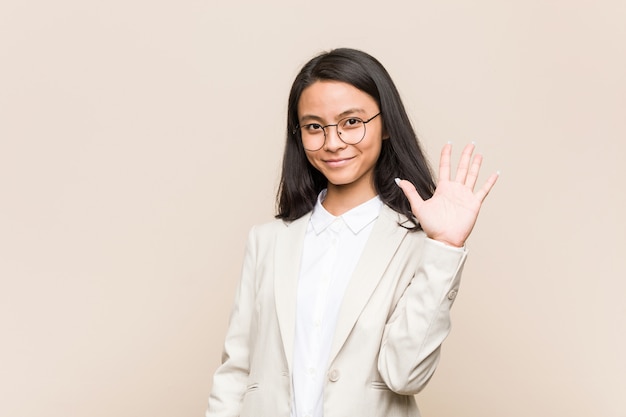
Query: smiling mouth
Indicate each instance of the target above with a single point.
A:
(338, 162)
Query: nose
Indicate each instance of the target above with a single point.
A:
(333, 140)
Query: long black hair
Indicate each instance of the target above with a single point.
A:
(400, 157)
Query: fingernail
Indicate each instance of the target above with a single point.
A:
(498, 172)
(474, 142)
(397, 180)
(449, 142)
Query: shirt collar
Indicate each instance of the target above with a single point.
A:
(356, 219)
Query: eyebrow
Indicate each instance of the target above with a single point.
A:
(340, 116)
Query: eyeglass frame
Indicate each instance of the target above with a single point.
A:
(365, 122)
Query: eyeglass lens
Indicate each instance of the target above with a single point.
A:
(350, 130)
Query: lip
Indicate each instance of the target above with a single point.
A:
(338, 162)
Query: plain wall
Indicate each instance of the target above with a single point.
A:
(140, 140)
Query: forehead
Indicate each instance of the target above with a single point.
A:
(327, 99)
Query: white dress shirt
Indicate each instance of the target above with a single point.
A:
(332, 248)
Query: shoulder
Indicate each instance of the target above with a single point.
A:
(269, 230)
(268, 227)
(398, 220)
(275, 235)
(392, 222)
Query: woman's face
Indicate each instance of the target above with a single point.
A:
(344, 166)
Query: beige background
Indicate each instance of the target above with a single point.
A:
(141, 139)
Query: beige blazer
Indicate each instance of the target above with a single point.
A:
(393, 319)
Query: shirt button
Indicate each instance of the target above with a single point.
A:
(311, 371)
(333, 375)
(452, 294)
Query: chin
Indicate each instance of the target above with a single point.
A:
(338, 182)
(339, 178)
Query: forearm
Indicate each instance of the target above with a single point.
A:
(420, 322)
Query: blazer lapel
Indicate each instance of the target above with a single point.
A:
(287, 269)
(383, 241)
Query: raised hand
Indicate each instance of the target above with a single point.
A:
(450, 214)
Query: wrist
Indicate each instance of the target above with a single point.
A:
(448, 242)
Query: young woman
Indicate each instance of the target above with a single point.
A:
(344, 300)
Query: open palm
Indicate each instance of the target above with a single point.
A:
(450, 214)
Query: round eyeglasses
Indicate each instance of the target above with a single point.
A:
(351, 130)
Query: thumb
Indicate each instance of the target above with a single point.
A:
(415, 200)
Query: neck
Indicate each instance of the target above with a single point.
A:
(342, 198)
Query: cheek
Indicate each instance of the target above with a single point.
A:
(373, 149)
(310, 156)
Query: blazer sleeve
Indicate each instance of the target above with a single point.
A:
(420, 321)
(231, 378)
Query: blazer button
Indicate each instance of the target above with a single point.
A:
(452, 294)
(333, 375)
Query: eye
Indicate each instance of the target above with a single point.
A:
(351, 123)
(313, 128)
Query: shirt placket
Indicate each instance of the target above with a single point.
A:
(321, 307)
